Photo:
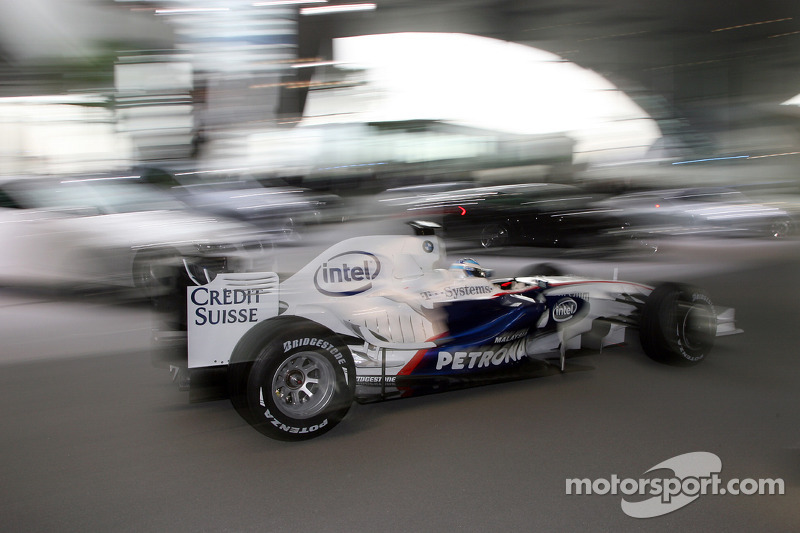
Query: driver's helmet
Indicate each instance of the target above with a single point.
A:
(470, 268)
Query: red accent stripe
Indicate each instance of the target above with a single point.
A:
(412, 364)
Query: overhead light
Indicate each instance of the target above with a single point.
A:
(190, 10)
(271, 3)
(711, 159)
(344, 8)
(751, 24)
(783, 34)
(311, 64)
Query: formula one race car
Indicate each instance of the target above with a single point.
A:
(382, 317)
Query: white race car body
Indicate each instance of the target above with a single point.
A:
(410, 323)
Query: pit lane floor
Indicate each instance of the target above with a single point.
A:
(95, 438)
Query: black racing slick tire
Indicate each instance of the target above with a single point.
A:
(678, 324)
(291, 379)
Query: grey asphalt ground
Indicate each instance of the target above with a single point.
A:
(96, 438)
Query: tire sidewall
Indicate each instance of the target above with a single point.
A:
(265, 415)
(662, 327)
(698, 300)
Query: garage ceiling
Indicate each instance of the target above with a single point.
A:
(706, 60)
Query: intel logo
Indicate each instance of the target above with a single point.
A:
(564, 309)
(347, 274)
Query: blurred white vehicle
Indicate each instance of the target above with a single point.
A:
(239, 194)
(108, 232)
(700, 211)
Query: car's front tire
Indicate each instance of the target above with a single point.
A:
(678, 324)
(291, 379)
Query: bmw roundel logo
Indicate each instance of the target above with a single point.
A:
(427, 246)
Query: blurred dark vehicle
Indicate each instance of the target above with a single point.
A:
(277, 207)
(537, 214)
(717, 211)
(417, 200)
(105, 232)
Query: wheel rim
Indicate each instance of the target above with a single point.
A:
(494, 236)
(303, 385)
(697, 327)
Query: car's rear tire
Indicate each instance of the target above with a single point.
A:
(678, 324)
(291, 378)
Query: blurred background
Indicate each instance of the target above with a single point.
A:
(283, 115)
(146, 145)
(340, 96)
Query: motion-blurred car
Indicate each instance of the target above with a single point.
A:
(716, 211)
(407, 197)
(108, 232)
(536, 214)
(239, 194)
(380, 317)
